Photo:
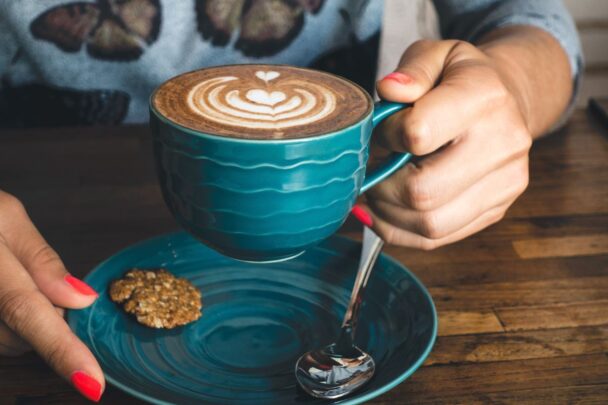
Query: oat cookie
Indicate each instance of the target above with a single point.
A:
(157, 298)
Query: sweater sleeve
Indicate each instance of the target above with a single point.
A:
(470, 19)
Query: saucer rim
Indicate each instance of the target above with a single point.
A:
(342, 401)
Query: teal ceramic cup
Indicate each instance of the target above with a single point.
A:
(265, 200)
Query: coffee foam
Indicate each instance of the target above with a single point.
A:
(267, 106)
(261, 101)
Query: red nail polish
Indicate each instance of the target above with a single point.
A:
(86, 385)
(362, 216)
(399, 78)
(80, 285)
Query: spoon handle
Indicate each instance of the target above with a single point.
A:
(372, 245)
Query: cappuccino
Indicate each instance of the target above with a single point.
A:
(262, 102)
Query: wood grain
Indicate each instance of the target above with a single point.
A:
(582, 394)
(512, 381)
(520, 345)
(562, 246)
(514, 271)
(591, 313)
(508, 294)
(468, 322)
(523, 305)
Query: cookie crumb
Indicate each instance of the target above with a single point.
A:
(157, 298)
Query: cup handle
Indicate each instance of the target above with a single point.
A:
(382, 110)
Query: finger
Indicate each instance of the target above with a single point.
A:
(43, 263)
(406, 238)
(438, 178)
(33, 318)
(419, 69)
(449, 109)
(11, 344)
(362, 215)
(491, 191)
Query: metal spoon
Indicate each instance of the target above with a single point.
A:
(340, 368)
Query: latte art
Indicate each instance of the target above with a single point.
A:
(258, 101)
(273, 104)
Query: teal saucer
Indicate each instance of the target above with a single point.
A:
(257, 320)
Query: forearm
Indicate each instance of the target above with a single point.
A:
(532, 59)
(536, 68)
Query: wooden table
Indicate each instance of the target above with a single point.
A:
(523, 305)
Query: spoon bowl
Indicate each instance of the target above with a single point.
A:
(329, 373)
(341, 368)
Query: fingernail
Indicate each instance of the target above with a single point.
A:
(400, 78)
(86, 385)
(80, 285)
(362, 215)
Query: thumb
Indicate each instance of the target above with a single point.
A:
(31, 316)
(419, 70)
(42, 263)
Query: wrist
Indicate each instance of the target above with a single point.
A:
(536, 70)
(515, 81)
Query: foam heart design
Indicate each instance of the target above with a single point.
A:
(263, 97)
(267, 76)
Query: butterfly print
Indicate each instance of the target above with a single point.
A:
(265, 27)
(37, 105)
(117, 30)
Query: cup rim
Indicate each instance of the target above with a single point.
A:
(310, 138)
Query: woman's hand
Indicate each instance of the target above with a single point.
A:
(34, 289)
(469, 122)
